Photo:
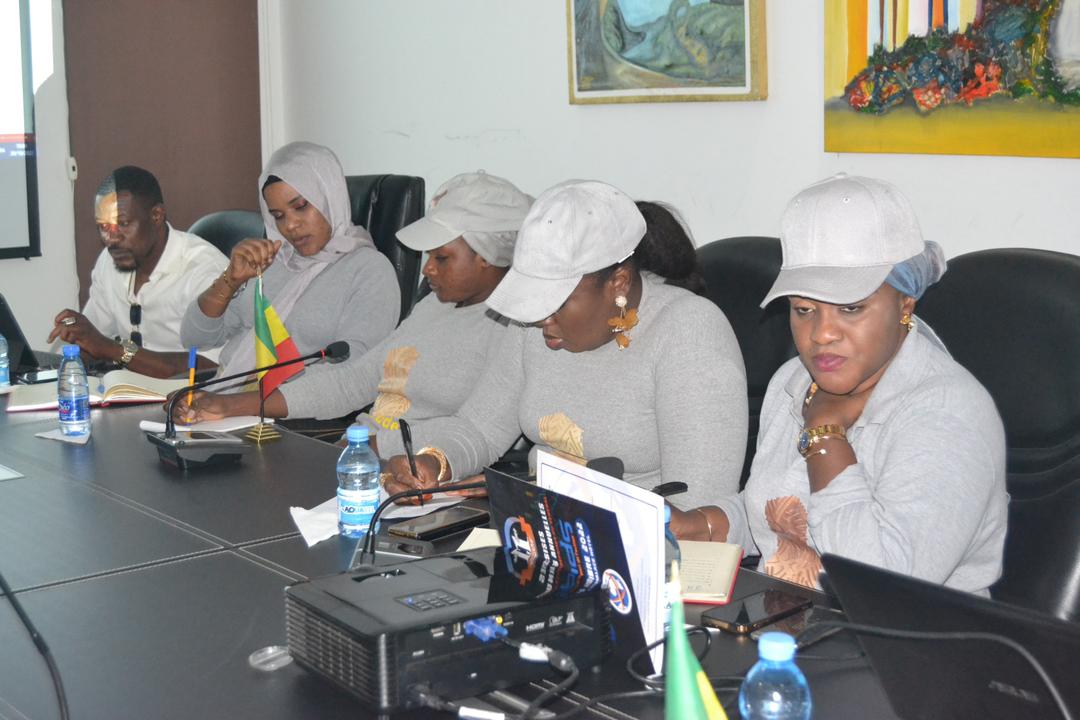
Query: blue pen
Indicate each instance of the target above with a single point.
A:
(191, 371)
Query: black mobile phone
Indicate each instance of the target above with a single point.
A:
(440, 523)
(756, 611)
(39, 376)
(197, 438)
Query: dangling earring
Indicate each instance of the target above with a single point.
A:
(623, 323)
(908, 322)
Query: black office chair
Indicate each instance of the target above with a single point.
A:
(225, 228)
(384, 204)
(738, 272)
(1012, 318)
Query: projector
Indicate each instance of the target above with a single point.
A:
(436, 623)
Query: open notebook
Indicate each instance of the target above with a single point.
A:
(116, 386)
(707, 571)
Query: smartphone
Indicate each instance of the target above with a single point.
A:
(197, 438)
(440, 523)
(39, 376)
(756, 611)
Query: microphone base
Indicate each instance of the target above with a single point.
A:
(186, 454)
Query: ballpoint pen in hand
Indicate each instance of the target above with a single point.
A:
(192, 355)
(406, 440)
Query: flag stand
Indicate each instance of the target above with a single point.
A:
(264, 430)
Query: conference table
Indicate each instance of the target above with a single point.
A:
(153, 586)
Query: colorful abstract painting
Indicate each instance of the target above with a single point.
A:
(979, 77)
(665, 50)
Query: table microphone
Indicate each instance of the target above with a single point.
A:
(203, 449)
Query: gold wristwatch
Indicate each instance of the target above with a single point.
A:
(130, 349)
(809, 437)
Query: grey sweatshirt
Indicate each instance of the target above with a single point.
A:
(426, 368)
(672, 406)
(927, 497)
(357, 299)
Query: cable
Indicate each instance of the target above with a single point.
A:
(42, 646)
(657, 681)
(626, 695)
(960, 635)
(556, 690)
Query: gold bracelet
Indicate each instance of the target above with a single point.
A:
(444, 464)
(708, 523)
(234, 292)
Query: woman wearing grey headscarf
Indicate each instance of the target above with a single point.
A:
(874, 443)
(323, 275)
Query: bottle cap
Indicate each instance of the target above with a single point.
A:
(356, 433)
(667, 514)
(776, 646)
(71, 351)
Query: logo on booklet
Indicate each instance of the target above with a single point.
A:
(618, 592)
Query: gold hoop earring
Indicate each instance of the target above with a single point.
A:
(908, 322)
(623, 323)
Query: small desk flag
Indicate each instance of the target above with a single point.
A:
(272, 343)
(688, 694)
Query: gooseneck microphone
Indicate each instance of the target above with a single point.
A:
(368, 544)
(333, 353)
(204, 449)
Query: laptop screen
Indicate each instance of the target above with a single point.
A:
(20, 355)
(953, 678)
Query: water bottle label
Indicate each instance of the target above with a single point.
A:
(74, 409)
(355, 508)
(5, 374)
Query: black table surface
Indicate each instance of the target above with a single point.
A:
(153, 586)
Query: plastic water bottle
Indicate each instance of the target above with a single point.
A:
(73, 394)
(775, 688)
(671, 545)
(358, 484)
(5, 364)
(671, 554)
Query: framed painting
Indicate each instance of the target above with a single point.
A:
(622, 51)
(970, 77)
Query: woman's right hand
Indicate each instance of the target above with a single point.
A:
(249, 258)
(399, 477)
(203, 406)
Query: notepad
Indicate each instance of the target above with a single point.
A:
(115, 387)
(707, 571)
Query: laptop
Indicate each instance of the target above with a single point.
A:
(22, 358)
(957, 678)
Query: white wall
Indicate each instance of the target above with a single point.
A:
(433, 88)
(40, 287)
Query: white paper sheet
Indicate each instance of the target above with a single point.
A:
(239, 422)
(58, 435)
(320, 522)
(641, 523)
(7, 473)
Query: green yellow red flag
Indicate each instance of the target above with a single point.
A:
(272, 344)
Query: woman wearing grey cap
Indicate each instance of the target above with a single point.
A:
(617, 361)
(875, 444)
(433, 360)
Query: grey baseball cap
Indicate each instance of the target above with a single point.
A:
(574, 228)
(841, 237)
(484, 209)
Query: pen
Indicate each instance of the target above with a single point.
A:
(191, 372)
(406, 440)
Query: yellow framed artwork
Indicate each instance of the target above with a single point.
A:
(622, 51)
(972, 77)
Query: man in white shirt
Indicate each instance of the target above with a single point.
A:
(142, 283)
